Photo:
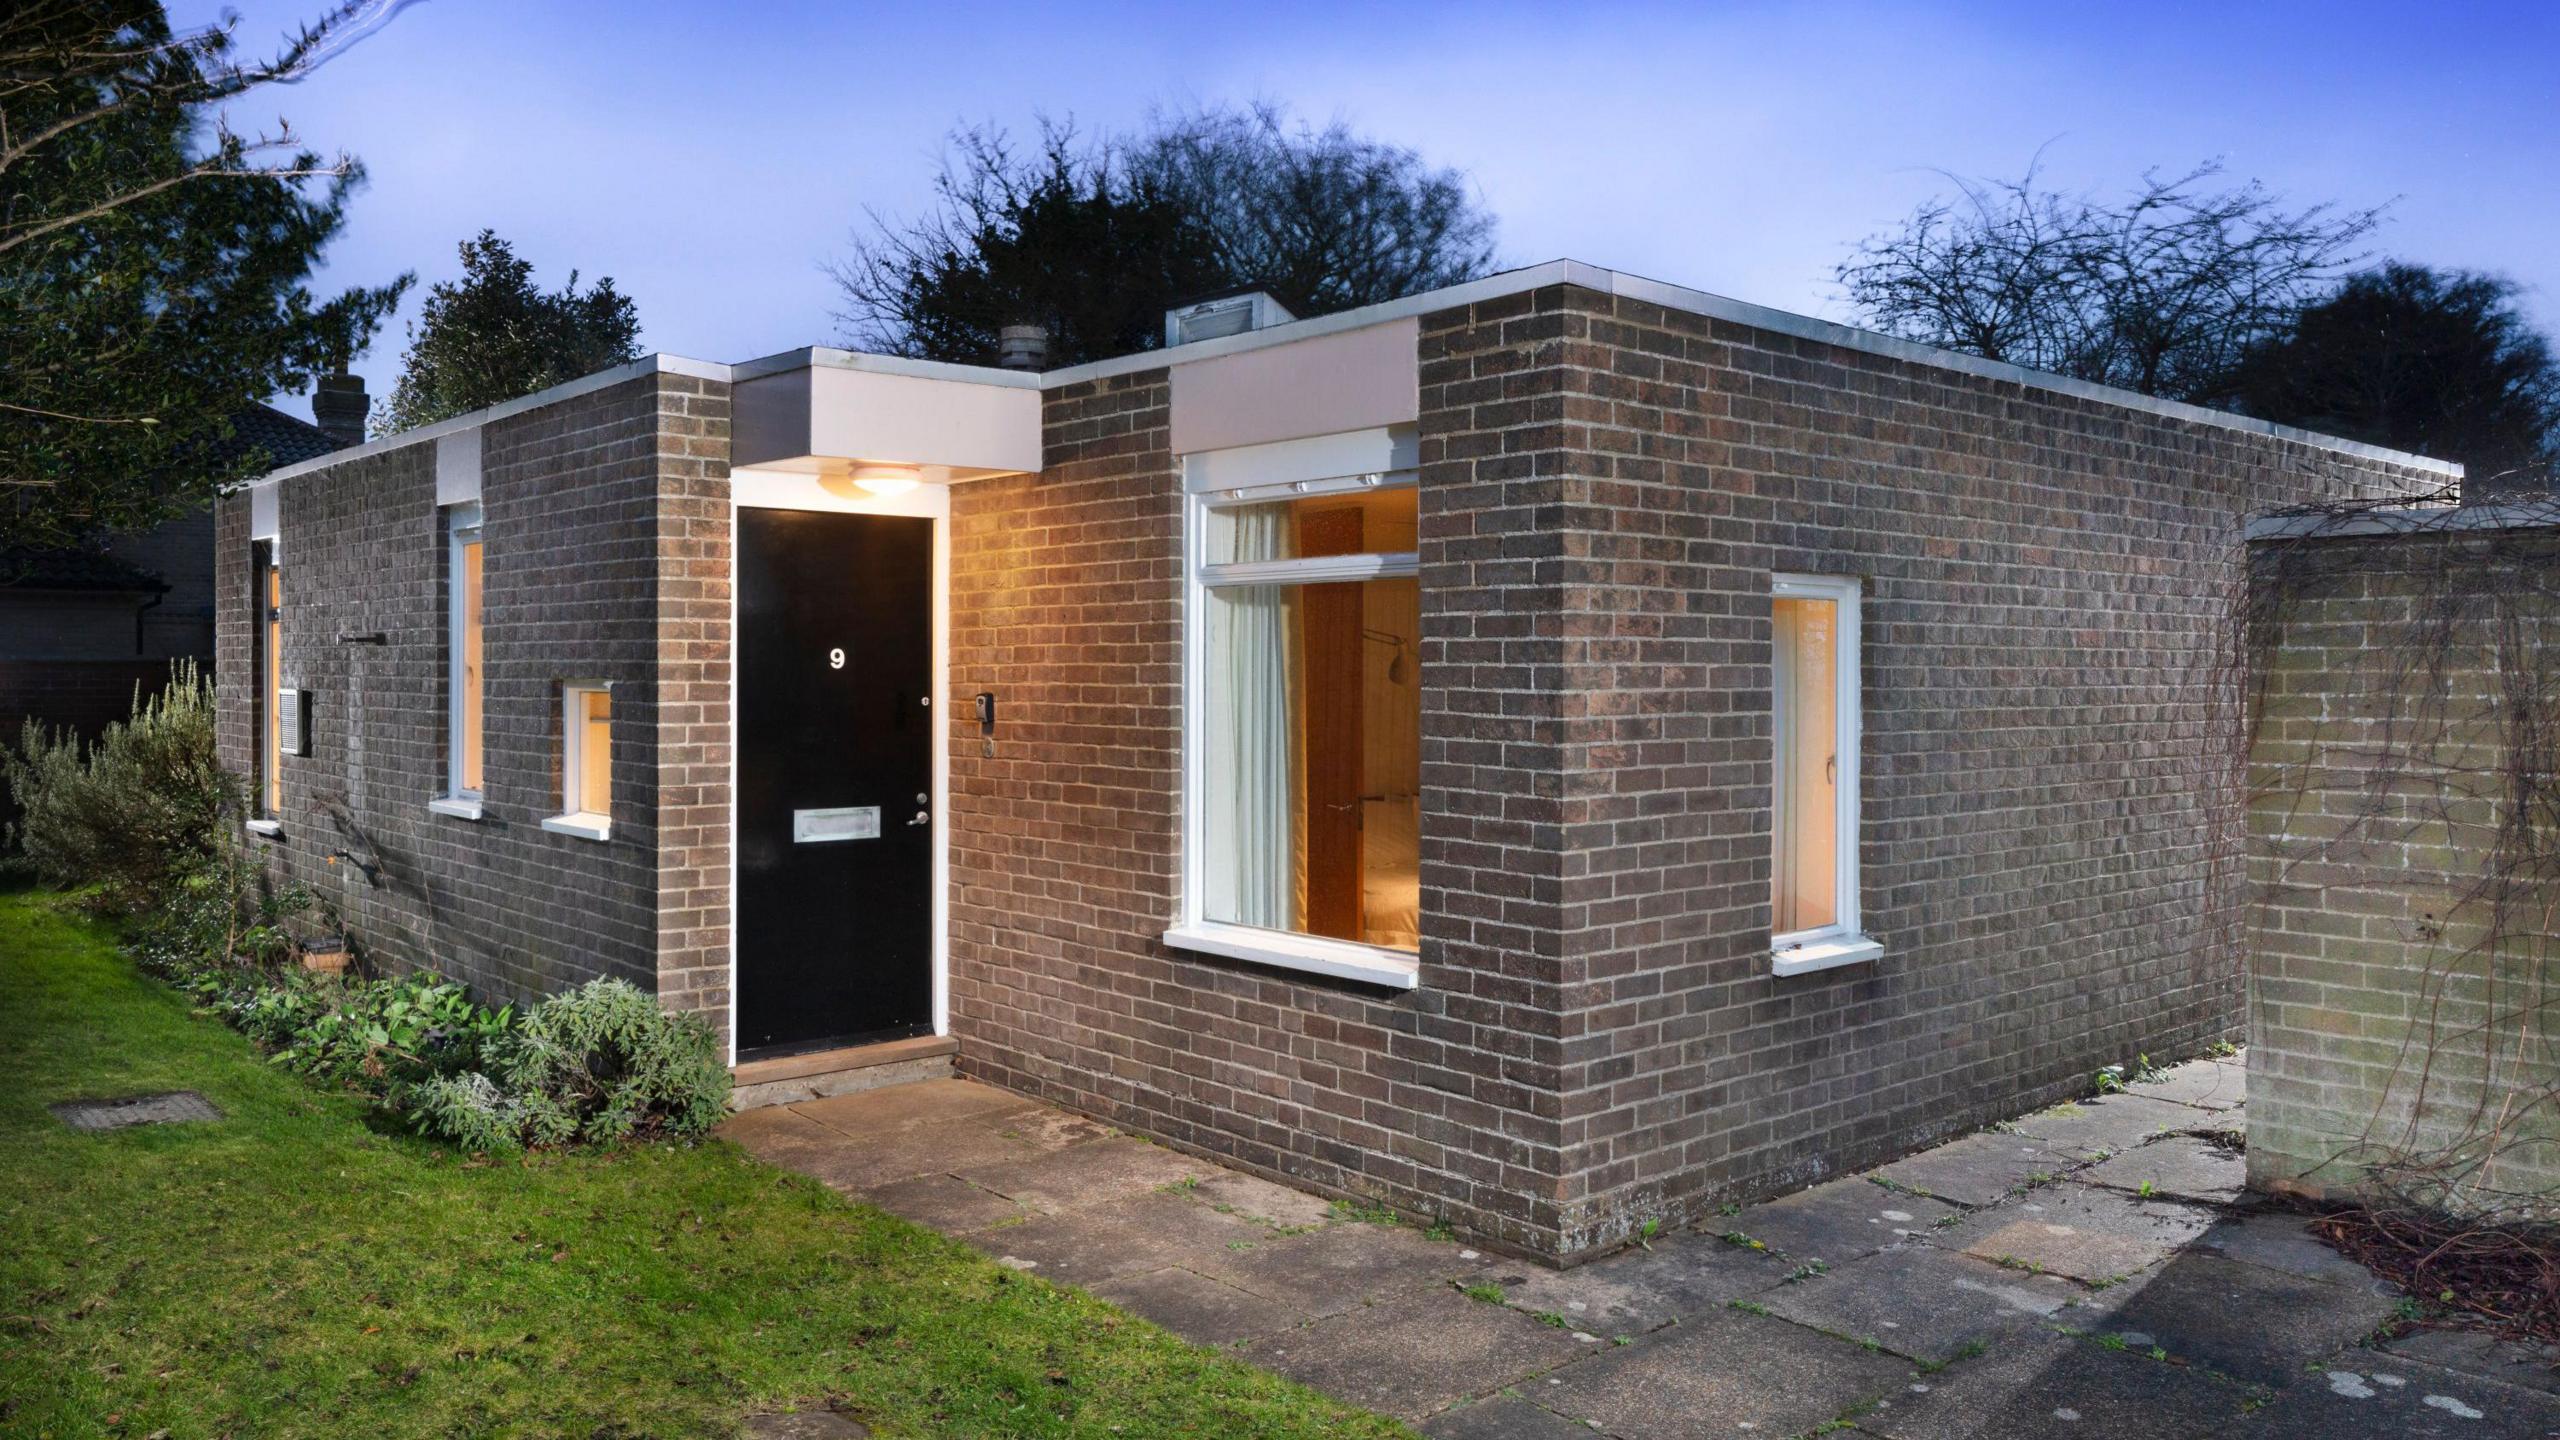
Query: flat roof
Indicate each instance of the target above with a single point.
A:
(1491, 287)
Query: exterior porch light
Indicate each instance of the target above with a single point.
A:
(886, 480)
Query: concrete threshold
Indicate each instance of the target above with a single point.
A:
(789, 1079)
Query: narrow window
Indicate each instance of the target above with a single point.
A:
(270, 608)
(586, 762)
(464, 677)
(1813, 665)
(1306, 706)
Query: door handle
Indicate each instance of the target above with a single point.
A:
(921, 819)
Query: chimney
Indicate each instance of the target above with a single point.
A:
(1022, 347)
(338, 405)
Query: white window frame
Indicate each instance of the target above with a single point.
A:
(1192, 929)
(264, 820)
(1841, 942)
(585, 824)
(462, 527)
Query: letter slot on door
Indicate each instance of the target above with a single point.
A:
(817, 827)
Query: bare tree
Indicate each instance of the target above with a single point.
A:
(1094, 237)
(2163, 292)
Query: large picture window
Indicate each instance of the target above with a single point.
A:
(1305, 714)
(1813, 672)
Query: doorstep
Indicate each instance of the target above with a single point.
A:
(789, 1079)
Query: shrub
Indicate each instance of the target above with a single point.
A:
(146, 804)
(596, 1064)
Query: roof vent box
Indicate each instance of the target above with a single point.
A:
(1223, 315)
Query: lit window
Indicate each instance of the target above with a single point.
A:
(464, 677)
(1306, 706)
(586, 762)
(1813, 666)
(270, 607)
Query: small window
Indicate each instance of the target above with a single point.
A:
(269, 603)
(1306, 707)
(464, 675)
(586, 762)
(1813, 669)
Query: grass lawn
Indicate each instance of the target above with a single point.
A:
(295, 1270)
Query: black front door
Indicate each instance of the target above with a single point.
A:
(835, 778)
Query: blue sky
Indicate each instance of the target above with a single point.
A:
(709, 157)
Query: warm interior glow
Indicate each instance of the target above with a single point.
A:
(469, 739)
(1313, 765)
(1804, 663)
(595, 752)
(272, 627)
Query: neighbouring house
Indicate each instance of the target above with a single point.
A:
(81, 629)
(2404, 856)
(1553, 753)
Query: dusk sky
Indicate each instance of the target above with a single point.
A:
(710, 157)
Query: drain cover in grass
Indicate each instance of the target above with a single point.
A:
(166, 1109)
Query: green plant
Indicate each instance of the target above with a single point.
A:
(1806, 1271)
(596, 1064)
(145, 805)
(1741, 1241)
(1486, 1291)
(2108, 1080)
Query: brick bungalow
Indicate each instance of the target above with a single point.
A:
(1556, 752)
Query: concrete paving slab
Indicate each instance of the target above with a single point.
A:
(2052, 1385)
(1195, 1307)
(856, 1163)
(1043, 1129)
(1839, 1220)
(1977, 1170)
(1258, 1199)
(1415, 1354)
(2370, 1395)
(2477, 1352)
(1928, 1304)
(1503, 1417)
(2107, 1124)
(2089, 1234)
(1110, 1238)
(1086, 1174)
(946, 1203)
(2181, 1166)
(1340, 1266)
(1725, 1373)
(923, 1102)
(2281, 1240)
(2211, 1084)
(2251, 1323)
(1638, 1290)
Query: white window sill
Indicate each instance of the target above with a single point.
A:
(269, 829)
(1803, 957)
(582, 825)
(1340, 959)
(460, 807)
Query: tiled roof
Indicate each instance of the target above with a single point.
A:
(286, 440)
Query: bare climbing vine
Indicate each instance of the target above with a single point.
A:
(2413, 791)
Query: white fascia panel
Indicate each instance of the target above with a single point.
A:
(458, 467)
(1380, 451)
(262, 511)
(800, 419)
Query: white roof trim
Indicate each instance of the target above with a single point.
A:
(2532, 514)
(1492, 287)
(584, 384)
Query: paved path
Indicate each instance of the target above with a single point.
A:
(2083, 1271)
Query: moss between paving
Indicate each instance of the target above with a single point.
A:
(291, 1270)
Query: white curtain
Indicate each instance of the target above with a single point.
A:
(1251, 760)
